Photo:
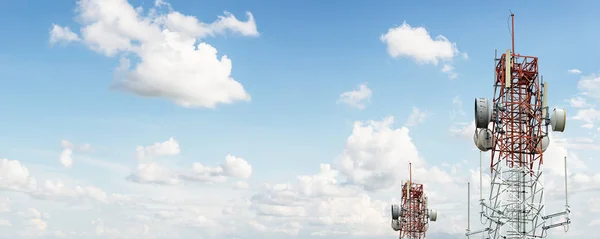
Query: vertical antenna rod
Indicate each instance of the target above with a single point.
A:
(410, 170)
(512, 32)
(480, 177)
(469, 207)
(566, 192)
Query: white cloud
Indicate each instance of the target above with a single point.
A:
(80, 148)
(233, 166)
(330, 202)
(153, 173)
(578, 102)
(166, 148)
(585, 104)
(57, 190)
(450, 71)
(237, 167)
(574, 71)
(416, 43)
(66, 158)
(34, 218)
(374, 152)
(14, 176)
(203, 173)
(60, 34)
(318, 205)
(349, 198)
(590, 85)
(416, 117)
(356, 98)
(240, 185)
(589, 115)
(354, 199)
(169, 62)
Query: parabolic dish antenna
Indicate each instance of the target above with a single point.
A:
(558, 120)
(483, 113)
(484, 139)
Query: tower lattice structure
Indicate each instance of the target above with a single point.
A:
(515, 129)
(411, 218)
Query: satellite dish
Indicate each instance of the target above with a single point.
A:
(395, 212)
(558, 120)
(483, 139)
(545, 142)
(432, 215)
(483, 113)
(396, 225)
(541, 142)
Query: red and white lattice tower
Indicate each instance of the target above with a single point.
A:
(412, 218)
(514, 127)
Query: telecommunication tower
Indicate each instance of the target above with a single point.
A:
(412, 218)
(514, 127)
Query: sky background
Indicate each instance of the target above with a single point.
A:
(295, 60)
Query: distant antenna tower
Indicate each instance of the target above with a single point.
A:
(412, 218)
(517, 139)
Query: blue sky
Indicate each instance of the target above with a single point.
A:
(307, 53)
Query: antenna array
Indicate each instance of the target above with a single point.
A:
(411, 219)
(514, 127)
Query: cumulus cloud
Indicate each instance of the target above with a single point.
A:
(356, 98)
(233, 166)
(203, 173)
(417, 44)
(237, 167)
(375, 151)
(15, 176)
(60, 34)
(154, 173)
(349, 197)
(160, 53)
(319, 206)
(66, 158)
(166, 148)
